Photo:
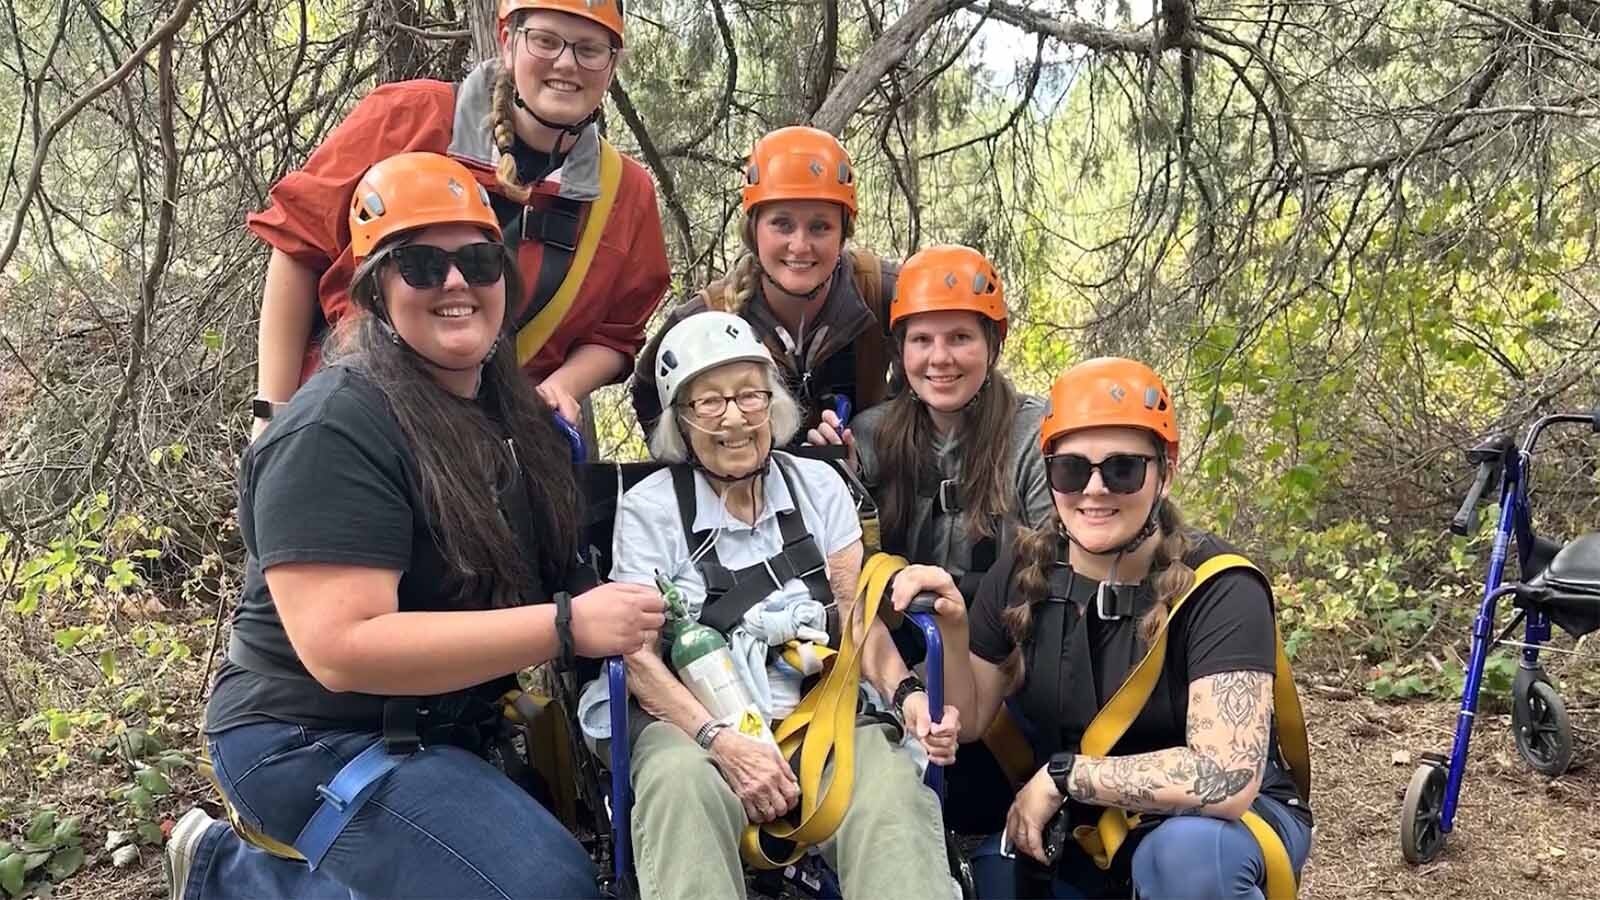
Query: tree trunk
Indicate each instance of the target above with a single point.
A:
(481, 21)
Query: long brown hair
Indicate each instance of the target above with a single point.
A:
(987, 480)
(461, 455)
(1040, 548)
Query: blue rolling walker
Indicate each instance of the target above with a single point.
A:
(1559, 584)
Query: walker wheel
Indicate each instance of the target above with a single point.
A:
(1545, 739)
(1421, 836)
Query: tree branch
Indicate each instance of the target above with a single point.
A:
(884, 54)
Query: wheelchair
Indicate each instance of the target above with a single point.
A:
(1560, 584)
(605, 791)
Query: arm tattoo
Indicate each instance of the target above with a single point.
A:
(1236, 696)
(1229, 723)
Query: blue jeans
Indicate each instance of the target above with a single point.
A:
(1183, 857)
(444, 823)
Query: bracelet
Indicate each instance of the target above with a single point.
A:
(708, 733)
(568, 658)
(908, 685)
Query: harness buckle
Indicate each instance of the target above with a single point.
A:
(555, 226)
(949, 496)
(330, 798)
(1107, 611)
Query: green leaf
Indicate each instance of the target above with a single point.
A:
(30, 598)
(157, 455)
(60, 727)
(211, 339)
(64, 863)
(144, 805)
(11, 874)
(33, 861)
(153, 781)
(41, 827)
(67, 638)
(150, 834)
(67, 831)
(108, 664)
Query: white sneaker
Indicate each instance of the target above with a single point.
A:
(181, 844)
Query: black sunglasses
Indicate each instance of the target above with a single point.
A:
(426, 266)
(1121, 473)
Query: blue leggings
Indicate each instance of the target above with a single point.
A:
(443, 824)
(1183, 857)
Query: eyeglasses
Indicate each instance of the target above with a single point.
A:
(1121, 473)
(591, 55)
(713, 406)
(427, 266)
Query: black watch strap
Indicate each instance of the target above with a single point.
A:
(1060, 770)
(569, 656)
(262, 408)
(908, 685)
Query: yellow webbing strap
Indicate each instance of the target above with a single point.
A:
(1104, 840)
(823, 726)
(244, 831)
(532, 337)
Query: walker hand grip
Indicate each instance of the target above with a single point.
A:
(1466, 519)
(923, 603)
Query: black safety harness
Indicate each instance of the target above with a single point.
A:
(730, 593)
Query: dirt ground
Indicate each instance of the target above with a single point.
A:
(1517, 834)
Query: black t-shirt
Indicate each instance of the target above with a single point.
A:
(1227, 626)
(332, 481)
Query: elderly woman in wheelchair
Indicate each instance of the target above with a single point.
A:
(761, 545)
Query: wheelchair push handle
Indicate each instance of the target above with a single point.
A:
(1466, 518)
(574, 438)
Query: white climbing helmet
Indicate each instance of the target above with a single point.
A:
(699, 344)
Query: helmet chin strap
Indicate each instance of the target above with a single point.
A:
(573, 129)
(398, 341)
(1151, 523)
(807, 297)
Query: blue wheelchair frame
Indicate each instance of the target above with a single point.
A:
(621, 799)
(1431, 800)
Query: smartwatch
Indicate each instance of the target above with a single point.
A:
(262, 408)
(1060, 770)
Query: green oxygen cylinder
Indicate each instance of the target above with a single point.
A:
(704, 664)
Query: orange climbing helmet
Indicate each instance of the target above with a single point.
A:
(415, 190)
(1110, 391)
(799, 163)
(949, 277)
(605, 13)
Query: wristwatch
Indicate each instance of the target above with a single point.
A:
(908, 685)
(1060, 770)
(262, 408)
(708, 733)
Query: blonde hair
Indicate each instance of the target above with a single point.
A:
(502, 127)
(732, 292)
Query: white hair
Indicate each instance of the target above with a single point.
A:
(667, 443)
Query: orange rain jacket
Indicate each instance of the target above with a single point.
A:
(308, 210)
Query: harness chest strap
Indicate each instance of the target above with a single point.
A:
(532, 335)
(821, 728)
(1103, 840)
(731, 593)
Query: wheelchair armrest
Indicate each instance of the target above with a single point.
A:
(935, 681)
(621, 755)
